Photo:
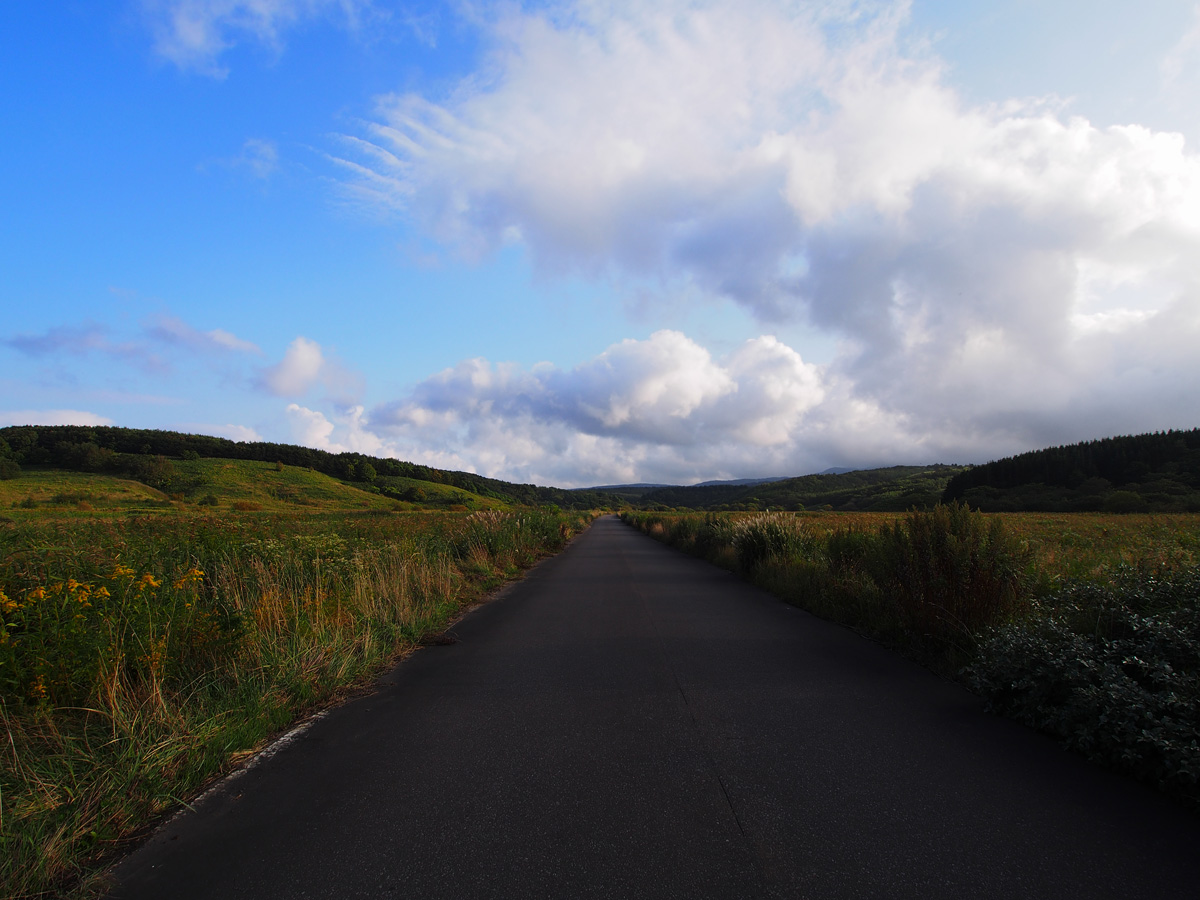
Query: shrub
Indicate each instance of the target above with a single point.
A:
(1115, 674)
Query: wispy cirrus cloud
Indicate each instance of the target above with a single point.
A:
(193, 34)
(1184, 54)
(259, 157)
(175, 331)
(85, 339)
(96, 338)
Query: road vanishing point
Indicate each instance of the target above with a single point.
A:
(629, 722)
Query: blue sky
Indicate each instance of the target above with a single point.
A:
(581, 243)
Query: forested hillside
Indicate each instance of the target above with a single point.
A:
(893, 489)
(1157, 472)
(140, 454)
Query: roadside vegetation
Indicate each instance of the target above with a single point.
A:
(1086, 626)
(144, 651)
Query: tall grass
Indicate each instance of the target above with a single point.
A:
(927, 580)
(1085, 626)
(139, 658)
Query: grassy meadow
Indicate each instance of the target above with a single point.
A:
(1084, 625)
(149, 642)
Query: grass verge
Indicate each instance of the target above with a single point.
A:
(1086, 626)
(140, 657)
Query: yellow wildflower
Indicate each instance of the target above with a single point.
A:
(192, 576)
(148, 581)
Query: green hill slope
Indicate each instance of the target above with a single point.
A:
(135, 453)
(893, 489)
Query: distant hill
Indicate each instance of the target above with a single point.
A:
(741, 481)
(890, 489)
(1158, 472)
(134, 452)
(627, 493)
(633, 493)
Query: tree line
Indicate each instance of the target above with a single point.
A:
(1155, 472)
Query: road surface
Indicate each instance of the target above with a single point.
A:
(631, 722)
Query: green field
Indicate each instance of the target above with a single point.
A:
(149, 639)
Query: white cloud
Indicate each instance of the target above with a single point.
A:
(240, 433)
(297, 372)
(311, 428)
(52, 417)
(1000, 277)
(193, 34)
(305, 366)
(663, 403)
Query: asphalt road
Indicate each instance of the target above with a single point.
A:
(630, 722)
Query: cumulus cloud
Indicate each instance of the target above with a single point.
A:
(313, 428)
(305, 366)
(193, 34)
(51, 417)
(297, 372)
(652, 404)
(1000, 276)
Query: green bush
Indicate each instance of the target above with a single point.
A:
(1115, 674)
